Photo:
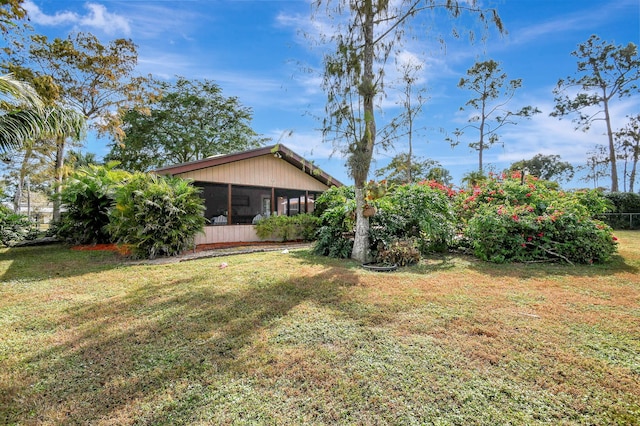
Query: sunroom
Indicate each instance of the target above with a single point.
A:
(240, 189)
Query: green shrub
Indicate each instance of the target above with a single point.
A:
(288, 228)
(336, 210)
(428, 215)
(624, 202)
(87, 198)
(156, 215)
(625, 210)
(508, 221)
(15, 227)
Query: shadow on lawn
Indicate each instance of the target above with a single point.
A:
(126, 358)
(617, 264)
(53, 261)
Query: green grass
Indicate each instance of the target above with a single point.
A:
(87, 338)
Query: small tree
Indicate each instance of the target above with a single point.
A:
(401, 169)
(368, 34)
(596, 167)
(492, 92)
(546, 167)
(605, 72)
(629, 142)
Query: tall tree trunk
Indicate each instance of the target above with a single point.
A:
(364, 149)
(632, 175)
(60, 140)
(612, 149)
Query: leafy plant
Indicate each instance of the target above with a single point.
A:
(336, 209)
(513, 219)
(400, 252)
(87, 197)
(156, 215)
(14, 227)
(288, 228)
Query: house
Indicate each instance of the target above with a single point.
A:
(241, 188)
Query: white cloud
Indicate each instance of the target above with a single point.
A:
(38, 17)
(97, 18)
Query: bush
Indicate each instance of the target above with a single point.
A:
(87, 197)
(400, 252)
(507, 221)
(288, 228)
(624, 202)
(156, 215)
(625, 210)
(15, 227)
(336, 210)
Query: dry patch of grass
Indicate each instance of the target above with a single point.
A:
(296, 339)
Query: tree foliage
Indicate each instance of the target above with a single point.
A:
(491, 94)
(545, 167)
(88, 197)
(190, 120)
(628, 148)
(157, 215)
(366, 35)
(401, 170)
(11, 11)
(605, 72)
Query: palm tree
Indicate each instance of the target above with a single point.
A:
(24, 117)
(20, 112)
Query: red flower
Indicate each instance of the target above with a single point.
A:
(529, 194)
(541, 234)
(529, 238)
(615, 238)
(523, 244)
(514, 217)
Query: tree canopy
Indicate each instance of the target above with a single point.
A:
(605, 72)
(546, 167)
(491, 94)
(366, 35)
(189, 121)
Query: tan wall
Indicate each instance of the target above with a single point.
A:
(227, 234)
(259, 171)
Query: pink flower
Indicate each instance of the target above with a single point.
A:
(515, 217)
(541, 234)
(523, 244)
(529, 238)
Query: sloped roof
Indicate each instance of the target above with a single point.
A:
(278, 150)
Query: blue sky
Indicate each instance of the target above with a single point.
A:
(255, 50)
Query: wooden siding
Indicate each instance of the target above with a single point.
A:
(265, 170)
(227, 234)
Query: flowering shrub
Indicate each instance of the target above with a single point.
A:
(513, 219)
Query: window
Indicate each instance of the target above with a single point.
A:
(248, 204)
(245, 205)
(216, 201)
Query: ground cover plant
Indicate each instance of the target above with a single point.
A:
(295, 338)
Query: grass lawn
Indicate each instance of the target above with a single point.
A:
(86, 338)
